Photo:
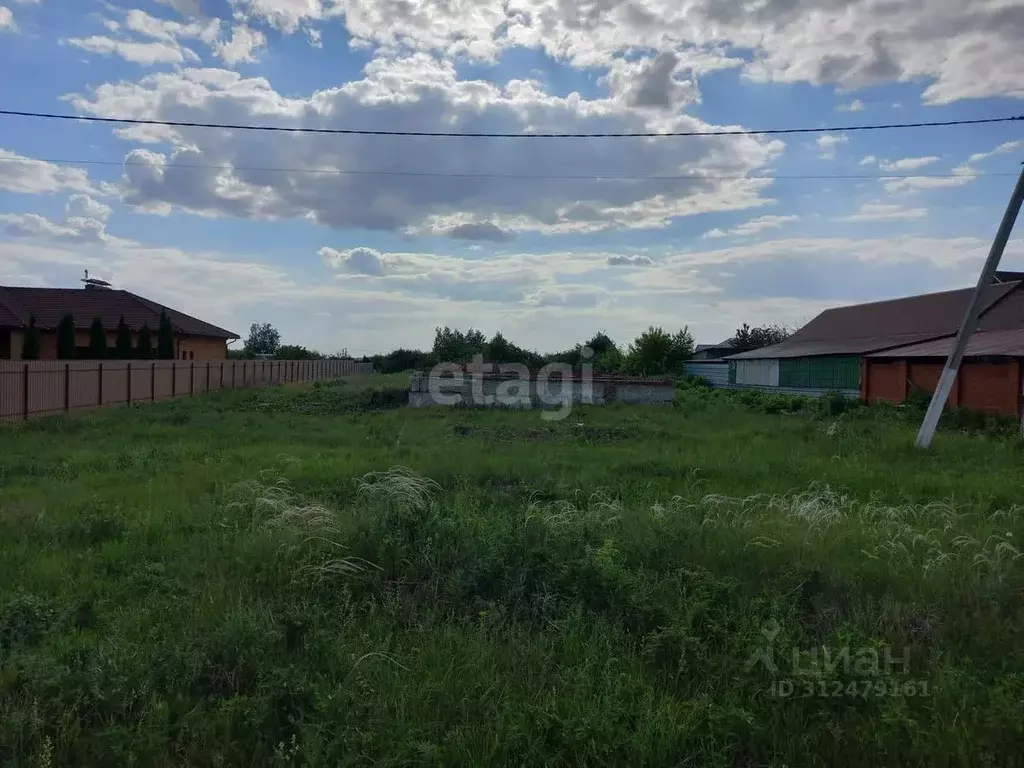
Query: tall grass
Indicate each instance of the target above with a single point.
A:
(305, 577)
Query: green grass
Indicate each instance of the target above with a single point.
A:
(243, 579)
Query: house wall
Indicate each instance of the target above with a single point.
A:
(198, 348)
(834, 372)
(988, 387)
(760, 373)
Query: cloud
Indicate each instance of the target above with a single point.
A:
(480, 231)
(854, 106)
(896, 186)
(423, 92)
(74, 229)
(828, 144)
(169, 31)
(38, 177)
(627, 260)
(360, 261)
(1009, 146)
(190, 8)
(655, 83)
(906, 164)
(140, 53)
(752, 227)
(963, 50)
(83, 206)
(7, 20)
(242, 46)
(885, 212)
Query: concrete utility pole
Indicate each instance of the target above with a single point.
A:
(931, 418)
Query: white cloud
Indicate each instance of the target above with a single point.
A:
(169, 31)
(854, 106)
(630, 260)
(885, 212)
(360, 261)
(965, 50)
(190, 8)
(83, 206)
(869, 160)
(159, 52)
(828, 144)
(7, 20)
(1009, 146)
(752, 227)
(424, 92)
(242, 46)
(896, 186)
(37, 177)
(906, 164)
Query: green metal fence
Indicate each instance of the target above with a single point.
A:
(834, 372)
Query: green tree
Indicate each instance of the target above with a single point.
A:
(123, 343)
(657, 352)
(295, 352)
(165, 338)
(97, 340)
(30, 344)
(264, 339)
(144, 349)
(66, 338)
(747, 338)
(453, 346)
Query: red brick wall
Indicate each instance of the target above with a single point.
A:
(985, 387)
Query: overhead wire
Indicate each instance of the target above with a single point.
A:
(470, 135)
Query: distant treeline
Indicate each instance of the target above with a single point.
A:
(654, 352)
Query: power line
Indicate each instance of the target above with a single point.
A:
(514, 176)
(463, 135)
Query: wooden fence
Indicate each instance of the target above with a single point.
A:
(41, 387)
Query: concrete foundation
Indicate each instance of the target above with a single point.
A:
(495, 390)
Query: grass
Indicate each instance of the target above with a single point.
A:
(318, 577)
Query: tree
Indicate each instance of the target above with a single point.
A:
(144, 350)
(747, 338)
(97, 340)
(165, 338)
(66, 338)
(295, 352)
(264, 339)
(453, 346)
(657, 352)
(30, 344)
(123, 342)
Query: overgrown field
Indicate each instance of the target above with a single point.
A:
(317, 577)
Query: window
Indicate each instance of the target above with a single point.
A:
(191, 355)
(184, 355)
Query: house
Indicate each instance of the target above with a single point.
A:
(706, 352)
(859, 349)
(194, 339)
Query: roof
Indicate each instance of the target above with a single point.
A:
(49, 305)
(879, 325)
(727, 344)
(1008, 343)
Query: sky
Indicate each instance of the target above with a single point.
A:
(367, 243)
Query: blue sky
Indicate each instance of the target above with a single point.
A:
(369, 261)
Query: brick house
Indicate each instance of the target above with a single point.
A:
(194, 339)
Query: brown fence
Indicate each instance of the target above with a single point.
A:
(41, 387)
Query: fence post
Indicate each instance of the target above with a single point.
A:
(221, 374)
(129, 383)
(192, 378)
(99, 367)
(207, 375)
(24, 393)
(67, 387)
(152, 382)
(174, 377)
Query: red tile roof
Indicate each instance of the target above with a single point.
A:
(880, 325)
(49, 305)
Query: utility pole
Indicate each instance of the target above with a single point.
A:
(970, 322)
